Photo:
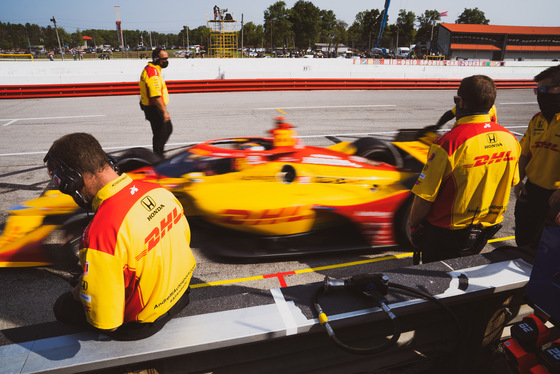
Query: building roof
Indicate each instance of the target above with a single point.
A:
(509, 48)
(498, 29)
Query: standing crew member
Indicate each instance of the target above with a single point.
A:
(135, 255)
(463, 190)
(154, 99)
(539, 161)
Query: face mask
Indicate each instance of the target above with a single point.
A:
(549, 104)
(164, 64)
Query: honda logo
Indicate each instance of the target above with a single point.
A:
(148, 203)
(491, 138)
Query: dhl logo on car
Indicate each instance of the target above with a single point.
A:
(266, 216)
(487, 160)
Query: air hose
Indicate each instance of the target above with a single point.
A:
(375, 286)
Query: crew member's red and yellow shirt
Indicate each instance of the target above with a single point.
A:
(152, 84)
(469, 174)
(541, 143)
(135, 254)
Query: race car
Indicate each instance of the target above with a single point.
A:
(259, 196)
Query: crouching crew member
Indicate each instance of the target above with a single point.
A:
(464, 188)
(135, 255)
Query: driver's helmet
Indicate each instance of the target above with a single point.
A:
(251, 147)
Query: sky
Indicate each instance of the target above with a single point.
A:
(169, 16)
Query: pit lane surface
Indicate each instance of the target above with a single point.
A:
(28, 128)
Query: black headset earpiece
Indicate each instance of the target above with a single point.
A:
(66, 179)
(155, 55)
(113, 163)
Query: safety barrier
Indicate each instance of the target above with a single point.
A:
(16, 55)
(232, 85)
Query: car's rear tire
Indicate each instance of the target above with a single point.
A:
(400, 224)
(136, 158)
(378, 150)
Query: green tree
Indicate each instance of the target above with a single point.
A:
(200, 36)
(427, 22)
(306, 24)
(277, 25)
(473, 16)
(363, 32)
(328, 25)
(333, 31)
(253, 35)
(406, 31)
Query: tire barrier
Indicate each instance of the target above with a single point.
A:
(233, 85)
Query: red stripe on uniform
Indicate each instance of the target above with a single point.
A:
(452, 140)
(151, 71)
(102, 236)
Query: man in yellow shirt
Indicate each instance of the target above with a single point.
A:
(464, 188)
(155, 97)
(539, 161)
(135, 255)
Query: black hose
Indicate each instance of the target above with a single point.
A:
(429, 297)
(356, 350)
(323, 320)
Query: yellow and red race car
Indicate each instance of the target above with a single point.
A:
(264, 196)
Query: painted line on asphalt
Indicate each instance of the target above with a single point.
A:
(328, 107)
(14, 120)
(520, 103)
(354, 134)
(282, 281)
(281, 276)
(501, 239)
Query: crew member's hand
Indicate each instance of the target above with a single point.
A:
(416, 234)
(554, 198)
(77, 288)
(166, 116)
(520, 192)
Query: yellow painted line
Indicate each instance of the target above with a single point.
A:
(281, 111)
(320, 268)
(501, 239)
(369, 261)
(230, 281)
(303, 271)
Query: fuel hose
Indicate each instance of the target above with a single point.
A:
(374, 286)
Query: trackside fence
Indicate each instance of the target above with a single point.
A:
(232, 85)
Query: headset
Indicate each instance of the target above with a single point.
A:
(70, 181)
(155, 55)
(66, 179)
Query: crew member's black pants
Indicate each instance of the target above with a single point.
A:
(439, 244)
(161, 130)
(68, 310)
(531, 214)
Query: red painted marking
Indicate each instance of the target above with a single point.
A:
(280, 277)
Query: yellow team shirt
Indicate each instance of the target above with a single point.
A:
(152, 85)
(135, 254)
(541, 143)
(469, 174)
